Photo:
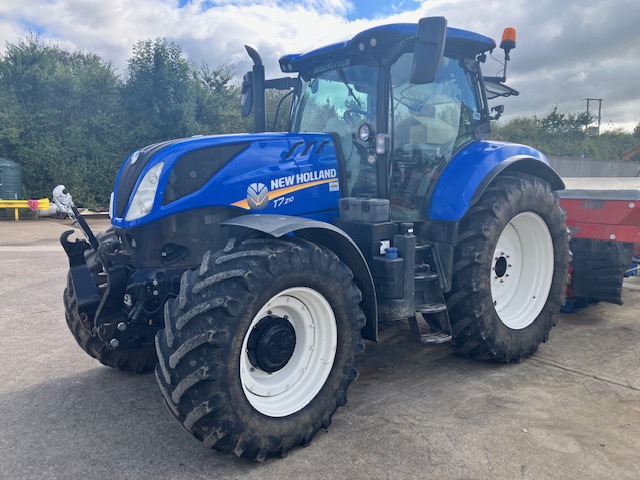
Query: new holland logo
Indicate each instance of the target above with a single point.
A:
(257, 196)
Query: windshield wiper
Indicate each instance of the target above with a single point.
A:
(344, 79)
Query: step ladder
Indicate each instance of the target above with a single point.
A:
(433, 310)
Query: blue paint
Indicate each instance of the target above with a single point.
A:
(468, 42)
(458, 182)
(303, 181)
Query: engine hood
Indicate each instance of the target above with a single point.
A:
(282, 173)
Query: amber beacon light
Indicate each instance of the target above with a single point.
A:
(508, 39)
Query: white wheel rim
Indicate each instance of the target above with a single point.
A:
(522, 270)
(291, 388)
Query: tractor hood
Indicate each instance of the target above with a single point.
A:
(281, 173)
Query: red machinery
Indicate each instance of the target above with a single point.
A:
(603, 215)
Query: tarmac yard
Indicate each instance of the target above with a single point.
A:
(571, 411)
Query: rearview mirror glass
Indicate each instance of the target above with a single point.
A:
(429, 48)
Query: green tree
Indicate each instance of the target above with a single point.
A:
(159, 93)
(564, 135)
(218, 100)
(62, 109)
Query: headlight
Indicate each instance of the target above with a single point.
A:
(111, 200)
(142, 202)
(365, 132)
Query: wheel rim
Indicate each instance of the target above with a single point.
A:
(300, 315)
(522, 270)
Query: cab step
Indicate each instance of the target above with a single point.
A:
(430, 308)
(431, 338)
(437, 337)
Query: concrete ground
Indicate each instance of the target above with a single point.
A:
(572, 411)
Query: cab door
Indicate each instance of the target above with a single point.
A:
(428, 124)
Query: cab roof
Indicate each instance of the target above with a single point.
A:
(460, 43)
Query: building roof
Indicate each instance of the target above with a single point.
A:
(632, 153)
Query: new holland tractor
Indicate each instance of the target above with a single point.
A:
(247, 269)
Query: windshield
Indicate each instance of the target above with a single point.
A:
(336, 98)
(431, 121)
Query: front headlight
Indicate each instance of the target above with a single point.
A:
(111, 200)
(142, 202)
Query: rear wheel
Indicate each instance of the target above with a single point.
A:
(510, 270)
(259, 348)
(138, 360)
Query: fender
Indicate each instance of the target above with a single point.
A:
(328, 236)
(471, 170)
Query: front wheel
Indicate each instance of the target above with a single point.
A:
(510, 270)
(259, 348)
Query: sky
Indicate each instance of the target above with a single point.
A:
(567, 51)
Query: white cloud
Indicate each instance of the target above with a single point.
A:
(565, 52)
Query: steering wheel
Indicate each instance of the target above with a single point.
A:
(351, 115)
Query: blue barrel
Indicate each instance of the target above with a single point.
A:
(10, 180)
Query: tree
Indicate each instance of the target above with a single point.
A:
(563, 134)
(636, 132)
(218, 100)
(61, 110)
(159, 93)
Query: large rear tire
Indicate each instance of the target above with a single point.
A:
(258, 350)
(510, 270)
(140, 360)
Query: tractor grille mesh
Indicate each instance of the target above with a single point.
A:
(194, 169)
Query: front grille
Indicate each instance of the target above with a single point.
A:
(194, 169)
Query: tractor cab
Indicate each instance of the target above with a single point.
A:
(401, 101)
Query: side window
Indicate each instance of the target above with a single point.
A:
(337, 101)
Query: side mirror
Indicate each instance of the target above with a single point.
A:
(430, 39)
(499, 109)
(246, 101)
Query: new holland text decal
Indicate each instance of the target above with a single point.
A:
(259, 195)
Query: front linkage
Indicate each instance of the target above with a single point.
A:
(113, 309)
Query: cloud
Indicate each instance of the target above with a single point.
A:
(566, 51)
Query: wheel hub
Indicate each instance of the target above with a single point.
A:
(271, 343)
(500, 267)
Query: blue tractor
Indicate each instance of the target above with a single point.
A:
(247, 269)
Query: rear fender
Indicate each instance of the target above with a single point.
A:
(467, 176)
(330, 237)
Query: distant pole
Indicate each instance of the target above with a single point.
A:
(599, 113)
(599, 100)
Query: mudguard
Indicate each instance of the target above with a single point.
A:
(466, 177)
(328, 236)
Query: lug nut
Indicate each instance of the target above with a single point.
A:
(122, 326)
(114, 343)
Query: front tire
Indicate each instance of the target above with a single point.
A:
(140, 360)
(258, 350)
(510, 270)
